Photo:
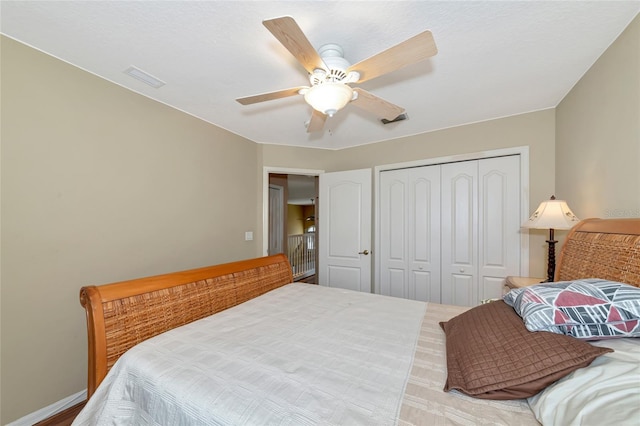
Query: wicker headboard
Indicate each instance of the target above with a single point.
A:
(602, 248)
(123, 314)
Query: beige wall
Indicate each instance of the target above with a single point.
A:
(100, 184)
(295, 219)
(598, 134)
(536, 130)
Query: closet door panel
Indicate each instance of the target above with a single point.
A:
(424, 286)
(397, 283)
(491, 287)
(459, 233)
(393, 233)
(463, 290)
(424, 232)
(499, 220)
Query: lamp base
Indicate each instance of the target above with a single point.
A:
(551, 261)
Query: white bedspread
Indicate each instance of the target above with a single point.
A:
(298, 355)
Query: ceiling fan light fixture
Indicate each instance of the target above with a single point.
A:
(329, 98)
(330, 73)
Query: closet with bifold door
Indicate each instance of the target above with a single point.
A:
(450, 233)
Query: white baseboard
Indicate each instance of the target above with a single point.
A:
(50, 410)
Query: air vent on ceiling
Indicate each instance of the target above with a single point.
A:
(144, 77)
(401, 117)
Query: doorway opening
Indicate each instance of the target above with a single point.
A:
(291, 219)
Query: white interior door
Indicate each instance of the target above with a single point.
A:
(345, 230)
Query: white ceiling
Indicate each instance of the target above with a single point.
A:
(301, 189)
(495, 58)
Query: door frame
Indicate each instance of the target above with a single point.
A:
(523, 151)
(266, 170)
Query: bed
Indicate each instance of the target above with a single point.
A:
(239, 343)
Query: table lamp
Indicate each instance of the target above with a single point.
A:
(552, 214)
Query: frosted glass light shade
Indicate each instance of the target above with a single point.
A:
(329, 98)
(552, 214)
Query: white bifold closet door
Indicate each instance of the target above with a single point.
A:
(410, 233)
(450, 233)
(459, 233)
(499, 223)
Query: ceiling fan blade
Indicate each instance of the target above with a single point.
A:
(248, 100)
(376, 105)
(316, 123)
(287, 31)
(415, 49)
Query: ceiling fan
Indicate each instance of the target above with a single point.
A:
(330, 74)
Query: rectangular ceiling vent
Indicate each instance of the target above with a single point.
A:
(144, 77)
(401, 117)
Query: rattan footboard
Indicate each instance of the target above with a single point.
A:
(123, 314)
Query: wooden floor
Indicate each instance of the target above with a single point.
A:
(64, 418)
(308, 280)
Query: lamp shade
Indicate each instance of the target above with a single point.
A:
(329, 98)
(552, 214)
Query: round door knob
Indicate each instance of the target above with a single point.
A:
(461, 270)
(365, 252)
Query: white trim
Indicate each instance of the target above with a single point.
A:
(523, 151)
(265, 196)
(50, 410)
(524, 210)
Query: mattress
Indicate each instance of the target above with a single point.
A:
(301, 354)
(425, 403)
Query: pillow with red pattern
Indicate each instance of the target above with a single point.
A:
(590, 309)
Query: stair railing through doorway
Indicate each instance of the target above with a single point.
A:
(302, 254)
